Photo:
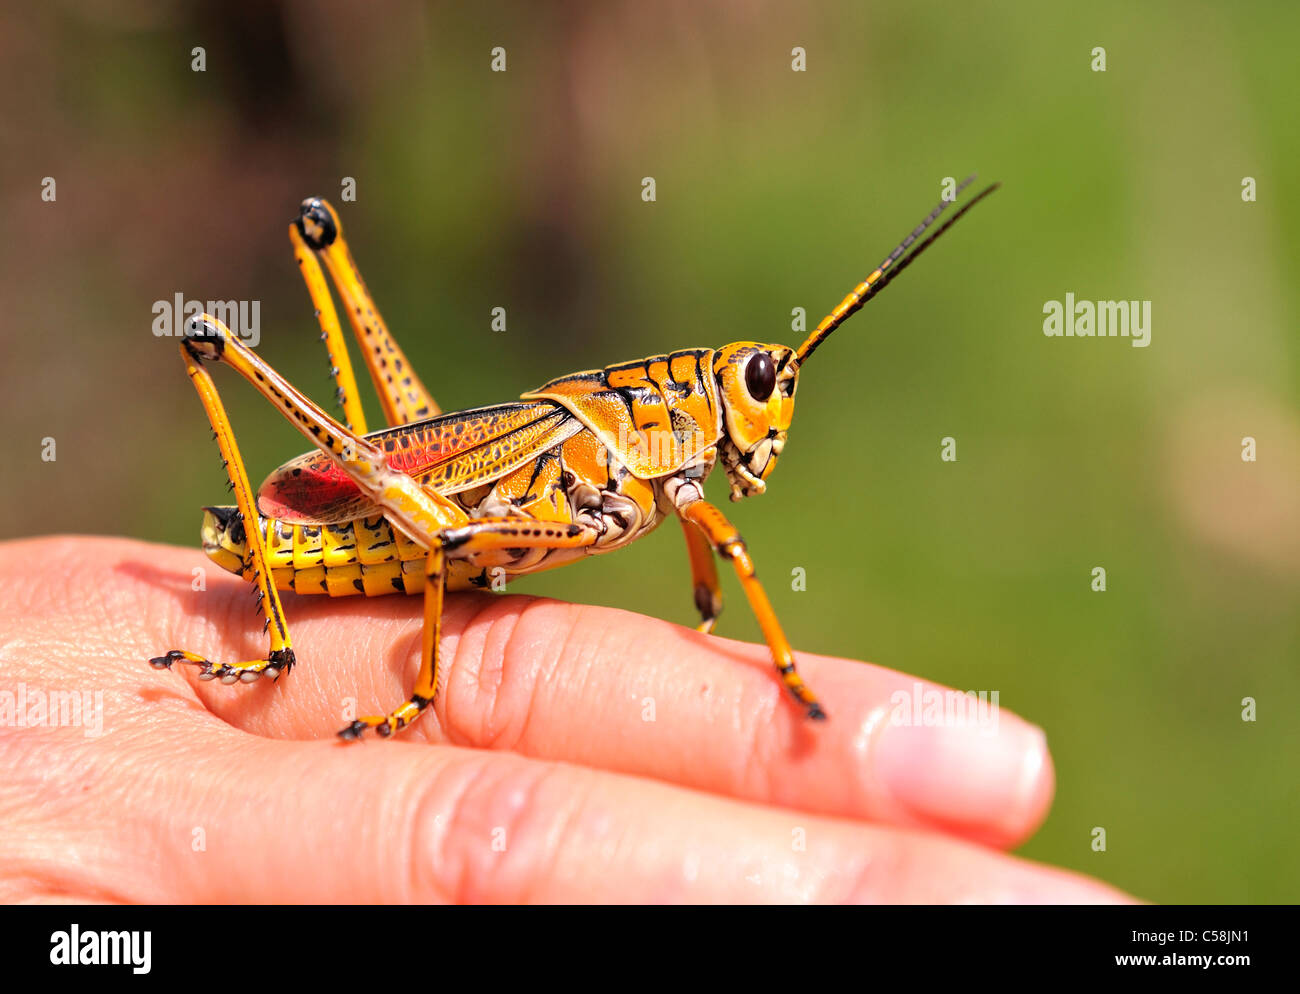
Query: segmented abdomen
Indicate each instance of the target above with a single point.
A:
(577, 481)
(367, 556)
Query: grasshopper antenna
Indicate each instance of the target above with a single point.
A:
(893, 264)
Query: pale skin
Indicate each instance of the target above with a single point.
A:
(535, 776)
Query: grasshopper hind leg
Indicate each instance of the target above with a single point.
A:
(279, 661)
(280, 658)
(317, 237)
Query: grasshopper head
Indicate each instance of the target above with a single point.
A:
(756, 383)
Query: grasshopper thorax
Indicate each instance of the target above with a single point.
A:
(756, 384)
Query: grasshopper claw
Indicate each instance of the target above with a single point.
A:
(383, 727)
(353, 732)
(280, 661)
(164, 662)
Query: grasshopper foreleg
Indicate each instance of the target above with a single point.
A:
(724, 538)
(704, 576)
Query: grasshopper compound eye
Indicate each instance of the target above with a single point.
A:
(760, 376)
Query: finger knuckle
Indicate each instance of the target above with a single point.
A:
(505, 654)
(484, 829)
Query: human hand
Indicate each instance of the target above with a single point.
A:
(535, 776)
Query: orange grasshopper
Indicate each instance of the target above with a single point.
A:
(585, 464)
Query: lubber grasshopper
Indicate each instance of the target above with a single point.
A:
(434, 502)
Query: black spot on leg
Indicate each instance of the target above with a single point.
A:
(704, 600)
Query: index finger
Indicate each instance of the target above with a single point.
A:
(613, 690)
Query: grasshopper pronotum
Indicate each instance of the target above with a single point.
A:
(587, 463)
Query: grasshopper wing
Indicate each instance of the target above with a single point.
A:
(450, 453)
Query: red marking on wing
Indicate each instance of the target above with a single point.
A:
(306, 491)
(314, 488)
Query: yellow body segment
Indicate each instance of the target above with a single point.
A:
(367, 556)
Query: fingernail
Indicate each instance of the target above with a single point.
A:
(994, 778)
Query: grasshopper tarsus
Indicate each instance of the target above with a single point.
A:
(353, 732)
(164, 662)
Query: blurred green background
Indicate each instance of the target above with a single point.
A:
(776, 189)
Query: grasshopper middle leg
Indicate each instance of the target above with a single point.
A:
(483, 535)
